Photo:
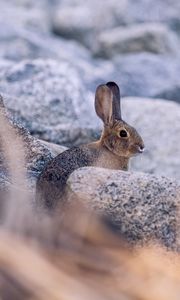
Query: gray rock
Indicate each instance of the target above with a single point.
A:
(149, 37)
(37, 153)
(154, 11)
(158, 123)
(142, 207)
(148, 75)
(54, 148)
(18, 43)
(25, 14)
(26, 33)
(83, 21)
(76, 22)
(141, 74)
(49, 99)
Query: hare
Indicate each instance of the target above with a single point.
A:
(119, 141)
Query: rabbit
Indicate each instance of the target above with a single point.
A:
(118, 143)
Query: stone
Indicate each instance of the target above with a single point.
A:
(25, 14)
(158, 123)
(26, 33)
(154, 11)
(37, 153)
(149, 37)
(54, 148)
(38, 94)
(147, 75)
(82, 21)
(141, 207)
(18, 43)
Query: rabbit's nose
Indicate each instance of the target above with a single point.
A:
(141, 149)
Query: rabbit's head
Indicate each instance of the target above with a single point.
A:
(118, 136)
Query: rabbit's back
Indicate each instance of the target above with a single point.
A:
(52, 181)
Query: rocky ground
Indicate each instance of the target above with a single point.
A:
(53, 54)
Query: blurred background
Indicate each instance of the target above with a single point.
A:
(53, 54)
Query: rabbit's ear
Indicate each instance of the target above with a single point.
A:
(116, 99)
(104, 103)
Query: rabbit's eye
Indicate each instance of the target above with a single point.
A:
(123, 133)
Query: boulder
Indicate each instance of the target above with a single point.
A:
(37, 152)
(49, 99)
(83, 21)
(18, 43)
(158, 123)
(26, 33)
(149, 37)
(25, 14)
(37, 155)
(154, 11)
(148, 75)
(141, 207)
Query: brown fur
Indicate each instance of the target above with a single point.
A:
(112, 151)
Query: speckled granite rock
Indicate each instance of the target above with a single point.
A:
(141, 206)
(54, 148)
(149, 37)
(48, 98)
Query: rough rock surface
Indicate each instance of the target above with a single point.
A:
(39, 93)
(142, 207)
(152, 37)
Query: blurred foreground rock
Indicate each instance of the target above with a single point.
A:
(36, 155)
(142, 207)
(37, 152)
